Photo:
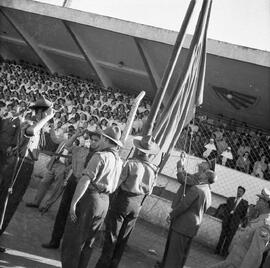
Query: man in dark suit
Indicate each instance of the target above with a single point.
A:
(9, 131)
(191, 202)
(234, 214)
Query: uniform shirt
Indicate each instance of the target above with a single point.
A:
(103, 170)
(259, 221)
(79, 155)
(138, 177)
(33, 144)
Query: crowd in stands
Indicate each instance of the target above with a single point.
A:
(84, 103)
(236, 147)
(77, 103)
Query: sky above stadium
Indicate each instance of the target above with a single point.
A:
(241, 22)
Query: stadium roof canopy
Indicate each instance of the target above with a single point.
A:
(132, 57)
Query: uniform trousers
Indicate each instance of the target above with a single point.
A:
(79, 236)
(120, 222)
(56, 174)
(19, 189)
(176, 250)
(40, 166)
(63, 210)
(2, 165)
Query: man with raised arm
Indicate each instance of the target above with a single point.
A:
(91, 200)
(80, 158)
(192, 200)
(18, 173)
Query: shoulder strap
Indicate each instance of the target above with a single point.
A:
(147, 163)
(18, 142)
(111, 151)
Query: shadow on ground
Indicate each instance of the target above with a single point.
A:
(29, 229)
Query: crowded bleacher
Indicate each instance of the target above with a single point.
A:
(86, 104)
(77, 103)
(236, 146)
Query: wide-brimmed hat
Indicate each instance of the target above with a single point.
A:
(265, 194)
(113, 133)
(146, 145)
(41, 103)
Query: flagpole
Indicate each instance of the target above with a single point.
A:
(148, 128)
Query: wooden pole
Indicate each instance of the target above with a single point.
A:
(168, 72)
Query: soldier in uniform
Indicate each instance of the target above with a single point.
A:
(136, 182)
(9, 133)
(80, 158)
(20, 166)
(90, 202)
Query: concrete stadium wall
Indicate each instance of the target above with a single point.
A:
(226, 185)
(228, 179)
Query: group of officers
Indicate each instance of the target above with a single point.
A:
(100, 189)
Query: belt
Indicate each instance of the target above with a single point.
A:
(93, 187)
(137, 197)
(128, 193)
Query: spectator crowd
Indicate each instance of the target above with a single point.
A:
(243, 149)
(86, 104)
(77, 103)
(81, 175)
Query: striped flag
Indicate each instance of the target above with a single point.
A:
(188, 91)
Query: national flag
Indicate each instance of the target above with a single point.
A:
(188, 91)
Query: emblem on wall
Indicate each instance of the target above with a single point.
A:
(236, 99)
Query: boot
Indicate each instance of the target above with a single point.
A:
(51, 245)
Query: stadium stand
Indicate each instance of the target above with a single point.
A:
(84, 103)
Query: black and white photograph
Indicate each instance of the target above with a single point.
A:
(134, 134)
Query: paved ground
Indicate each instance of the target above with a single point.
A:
(28, 229)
